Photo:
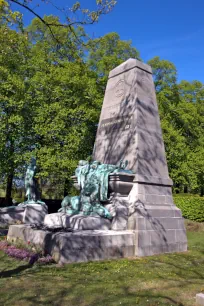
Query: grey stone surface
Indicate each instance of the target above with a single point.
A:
(121, 183)
(120, 220)
(130, 64)
(32, 213)
(10, 215)
(78, 246)
(129, 126)
(35, 213)
(129, 129)
(57, 220)
(88, 245)
(200, 299)
(77, 222)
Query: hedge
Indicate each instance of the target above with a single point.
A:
(192, 207)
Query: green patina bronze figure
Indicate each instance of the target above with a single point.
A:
(71, 205)
(92, 180)
(31, 185)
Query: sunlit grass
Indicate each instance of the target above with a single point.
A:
(172, 279)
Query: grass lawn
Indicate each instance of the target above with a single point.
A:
(172, 279)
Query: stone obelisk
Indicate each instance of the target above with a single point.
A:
(129, 129)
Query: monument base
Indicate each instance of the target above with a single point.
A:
(30, 213)
(153, 215)
(85, 245)
(77, 246)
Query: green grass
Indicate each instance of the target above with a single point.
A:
(172, 279)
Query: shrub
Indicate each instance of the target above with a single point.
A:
(192, 207)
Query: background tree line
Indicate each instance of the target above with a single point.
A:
(51, 93)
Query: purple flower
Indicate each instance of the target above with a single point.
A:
(18, 253)
(24, 254)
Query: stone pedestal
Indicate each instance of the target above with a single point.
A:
(35, 213)
(31, 213)
(11, 215)
(77, 246)
(200, 299)
(158, 221)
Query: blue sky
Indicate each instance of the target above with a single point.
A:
(171, 29)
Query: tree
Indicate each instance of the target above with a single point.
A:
(74, 17)
(15, 113)
(191, 122)
(165, 79)
(27, 96)
(67, 106)
(67, 48)
(181, 108)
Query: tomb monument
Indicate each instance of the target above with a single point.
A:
(137, 217)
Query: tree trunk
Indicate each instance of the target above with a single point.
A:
(177, 188)
(202, 191)
(185, 189)
(66, 187)
(9, 184)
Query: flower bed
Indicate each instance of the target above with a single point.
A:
(25, 254)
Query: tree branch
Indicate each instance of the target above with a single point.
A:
(89, 18)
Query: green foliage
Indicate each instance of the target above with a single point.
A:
(181, 108)
(9, 17)
(192, 207)
(66, 112)
(15, 112)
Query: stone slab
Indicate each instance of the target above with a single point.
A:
(130, 64)
(35, 213)
(200, 299)
(77, 246)
(32, 213)
(76, 222)
(120, 220)
(57, 220)
(11, 215)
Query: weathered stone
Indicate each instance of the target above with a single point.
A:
(200, 299)
(77, 222)
(35, 213)
(120, 220)
(129, 129)
(57, 220)
(11, 215)
(32, 213)
(78, 246)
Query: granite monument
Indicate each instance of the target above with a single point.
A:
(145, 220)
